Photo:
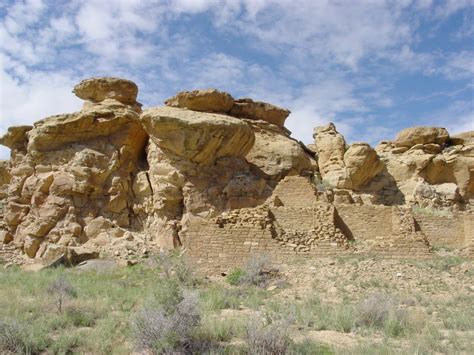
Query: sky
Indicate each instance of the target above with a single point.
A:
(373, 67)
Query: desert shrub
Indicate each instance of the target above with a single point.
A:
(321, 184)
(80, 316)
(161, 331)
(235, 276)
(65, 344)
(13, 338)
(173, 265)
(269, 336)
(62, 290)
(166, 296)
(258, 270)
(380, 311)
(342, 318)
(375, 310)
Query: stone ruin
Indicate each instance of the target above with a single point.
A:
(223, 178)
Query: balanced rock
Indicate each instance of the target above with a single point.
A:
(99, 89)
(198, 137)
(421, 135)
(257, 110)
(208, 100)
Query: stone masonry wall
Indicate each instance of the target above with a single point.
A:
(366, 222)
(296, 192)
(443, 230)
(228, 241)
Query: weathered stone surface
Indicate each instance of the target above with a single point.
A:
(463, 138)
(362, 164)
(342, 167)
(330, 146)
(99, 89)
(198, 137)
(256, 110)
(421, 135)
(16, 137)
(208, 100)
(275, 154)
(5, 178)
(115, 182)
(95, 122)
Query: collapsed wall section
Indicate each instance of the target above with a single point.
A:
(226, 242)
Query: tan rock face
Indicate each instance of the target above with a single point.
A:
(362, 164)
(74, 166)
(112, 181)
(330, 146)
(198, 137)
(209, 100)
(421, 135)
(463, 138)
(100, 89)
(16, 137)
(256, 110)
(275, 154)
(346, 169)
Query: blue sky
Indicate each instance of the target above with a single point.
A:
(372, 67)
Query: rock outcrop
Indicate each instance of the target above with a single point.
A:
(344, 167)
(421, 135)
(111, 180)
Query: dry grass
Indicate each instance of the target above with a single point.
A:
(165, 308)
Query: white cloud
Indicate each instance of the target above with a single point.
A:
(24, 102)
(322, 59)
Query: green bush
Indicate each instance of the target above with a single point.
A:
(80, 316)
(235, 276)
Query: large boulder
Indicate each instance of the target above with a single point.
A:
(100, 89)
(277, 155)
(421, 135)
(257, 110)
(362, 164)
(330, 146)
(208, 100)
(199, 137)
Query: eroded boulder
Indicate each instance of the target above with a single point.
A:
(199, 137)
(208, 100)
(100, 89)
(257, 110)
(362, 164)
(421, 135)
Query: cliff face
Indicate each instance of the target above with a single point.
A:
(113, 180)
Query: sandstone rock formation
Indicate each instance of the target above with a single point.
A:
(344, 167)
(421, 135)
(210, 100)
(111, 180)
